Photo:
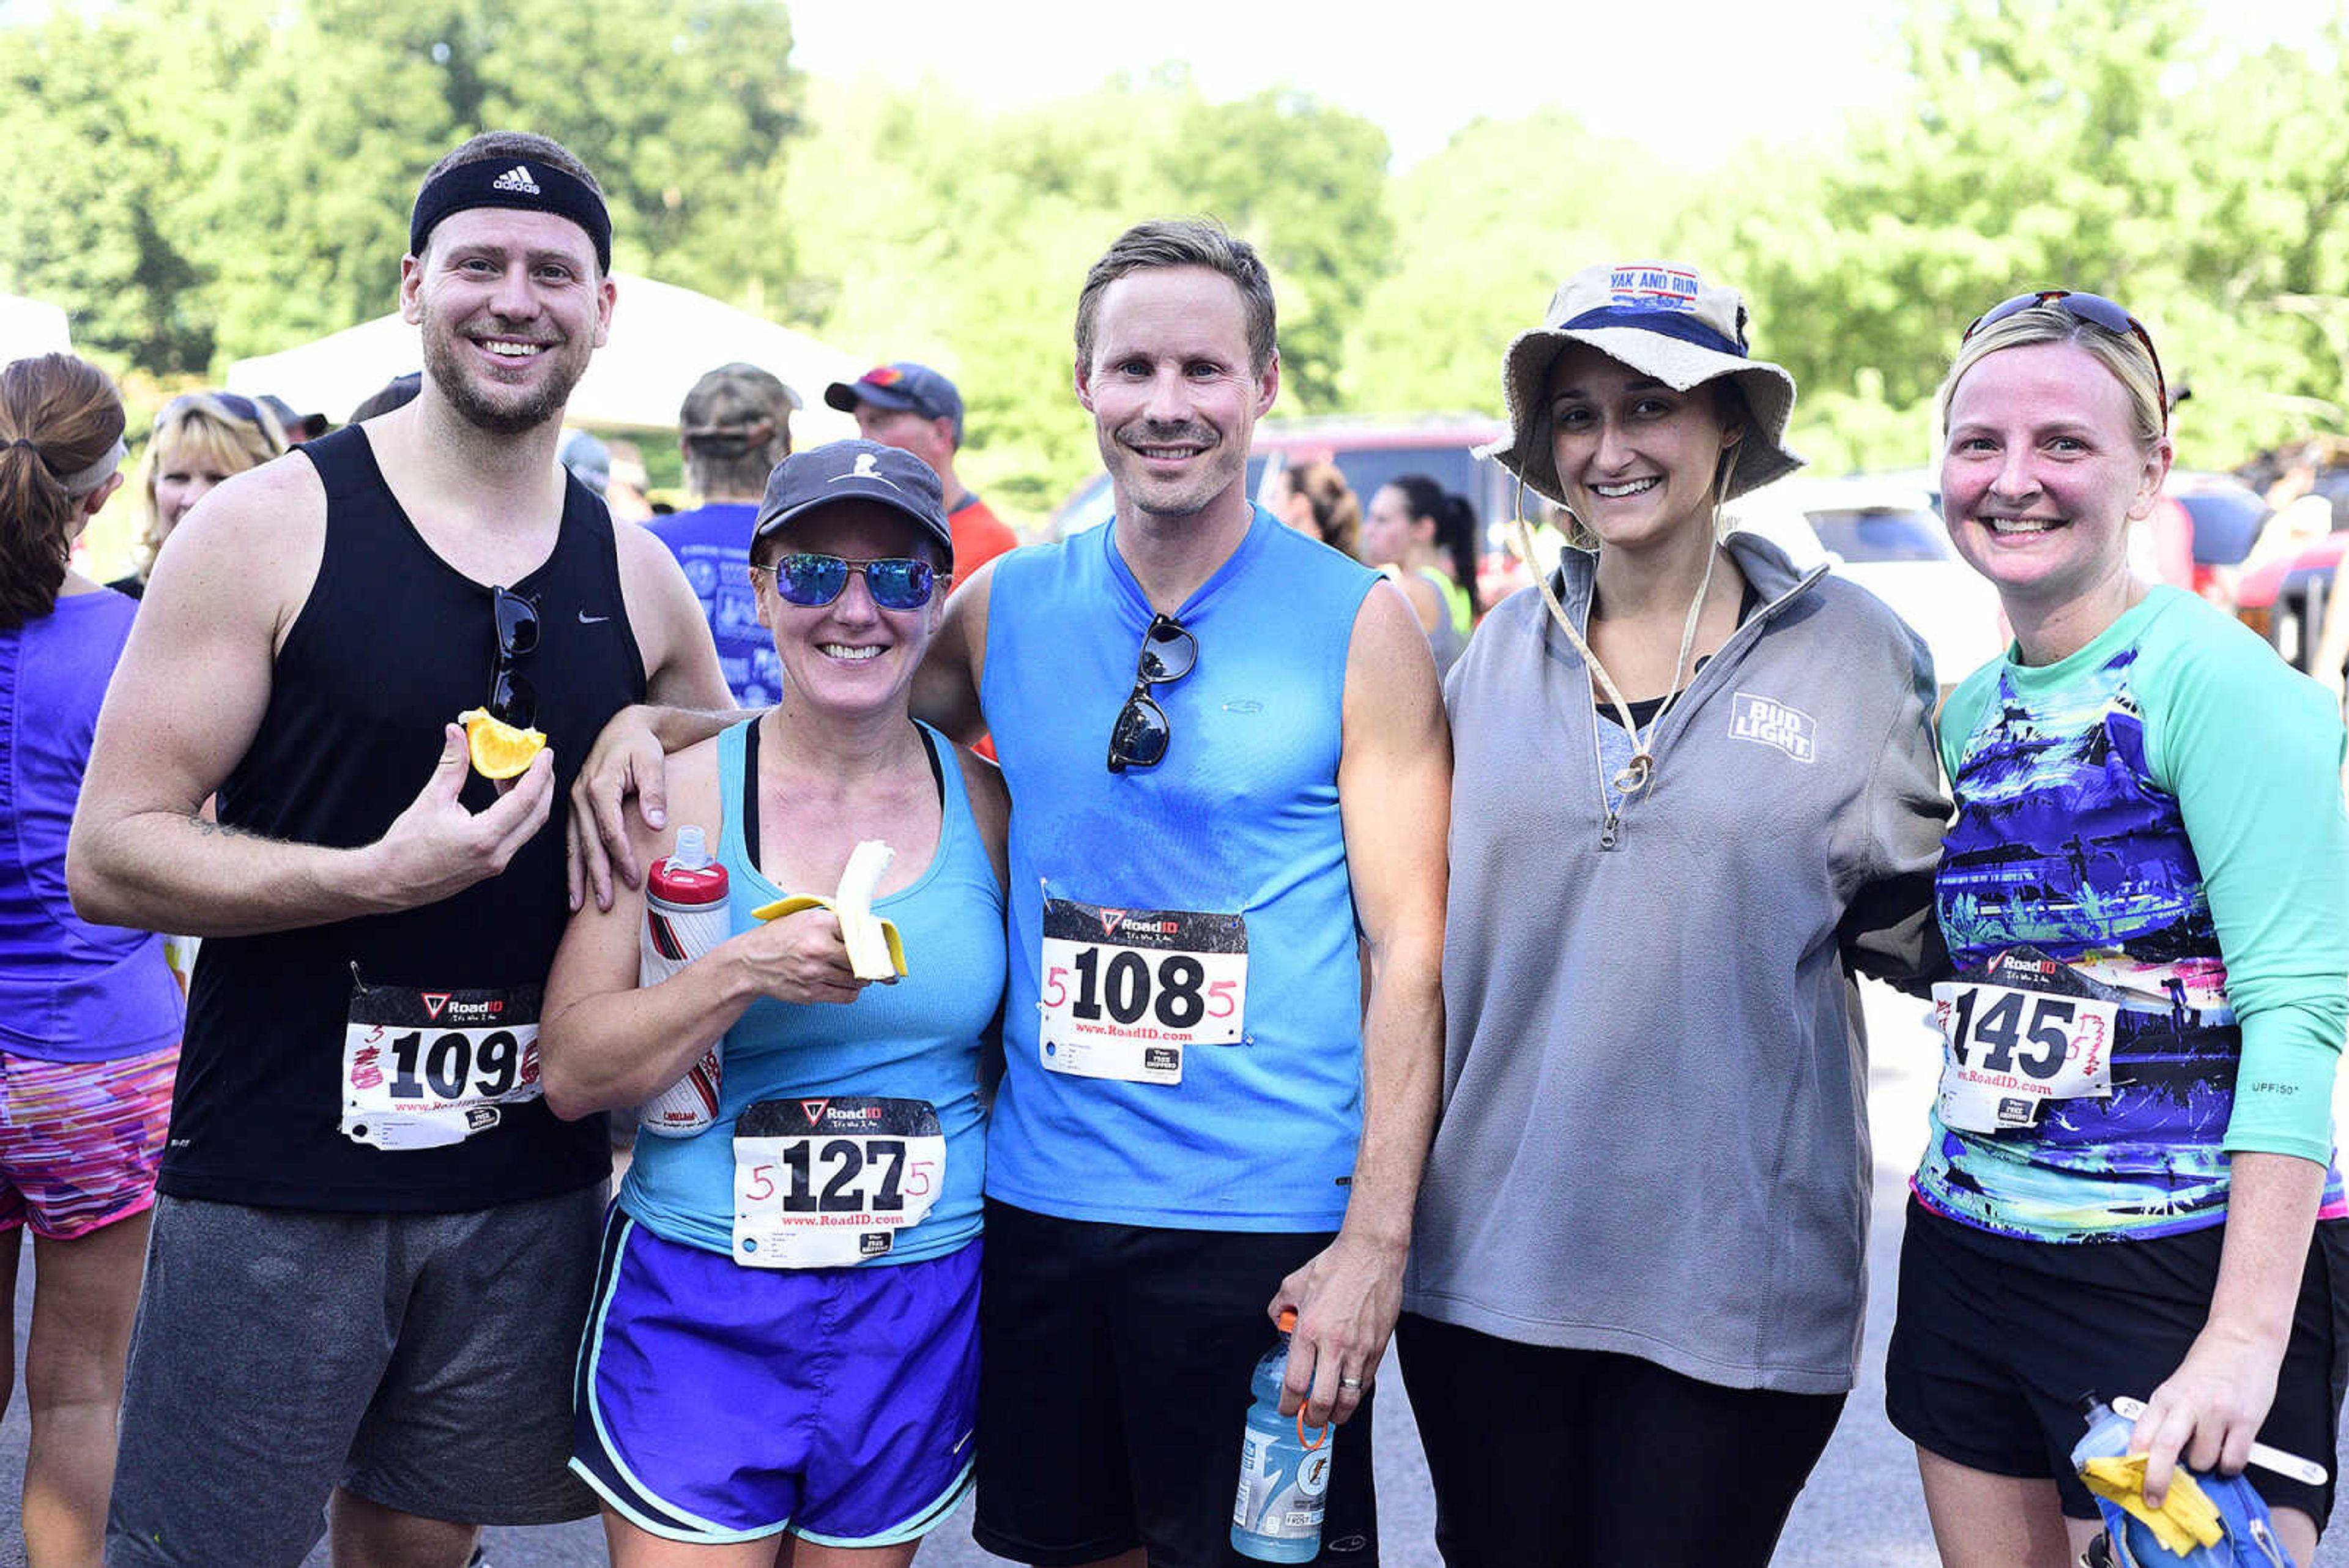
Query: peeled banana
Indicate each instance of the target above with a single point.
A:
(874, 949)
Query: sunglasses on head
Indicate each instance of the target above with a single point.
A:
(1138, 739)
(512, 699)
(812, 581)
(235, 404)
(2093, 308)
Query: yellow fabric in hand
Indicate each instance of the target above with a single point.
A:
(2186, 1519)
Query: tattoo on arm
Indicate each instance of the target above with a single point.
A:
(207, 826)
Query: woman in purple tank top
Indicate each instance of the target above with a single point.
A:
(89, 1015)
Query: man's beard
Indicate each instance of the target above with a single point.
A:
(444, 363)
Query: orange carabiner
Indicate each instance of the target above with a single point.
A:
(1311, 1443)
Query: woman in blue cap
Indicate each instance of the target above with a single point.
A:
(780, 1365)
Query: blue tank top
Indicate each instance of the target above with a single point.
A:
(712, 544)
(1137, 897)
(918, 1039)
(69, 990)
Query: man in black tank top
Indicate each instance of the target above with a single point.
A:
(374, 1243)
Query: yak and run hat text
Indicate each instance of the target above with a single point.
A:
(1663, 321)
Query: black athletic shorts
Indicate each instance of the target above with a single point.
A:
(1997, 1337)
(1114, 1387)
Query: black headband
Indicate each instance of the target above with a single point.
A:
(527, 184)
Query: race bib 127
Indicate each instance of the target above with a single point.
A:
(826, 1182)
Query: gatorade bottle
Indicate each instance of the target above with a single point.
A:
(1284, 1470)
(685, 917)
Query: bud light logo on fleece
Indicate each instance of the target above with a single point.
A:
(1790, 729)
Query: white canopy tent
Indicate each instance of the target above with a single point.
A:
(663, 339)
(30, 327)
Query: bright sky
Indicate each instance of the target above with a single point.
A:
(1715, 71)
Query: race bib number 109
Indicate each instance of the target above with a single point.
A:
(1127, 992)
(424, 1069)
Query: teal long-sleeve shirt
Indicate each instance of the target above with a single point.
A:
(2250, 753)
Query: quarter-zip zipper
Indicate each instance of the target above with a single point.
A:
(1610, 826)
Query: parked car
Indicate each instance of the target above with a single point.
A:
(1369, 451)
(1884, 532)
(2283, 598)
(2226, 518)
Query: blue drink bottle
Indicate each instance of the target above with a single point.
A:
(1284, 1474)
(2249, 1539)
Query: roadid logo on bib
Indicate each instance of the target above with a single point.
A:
(1125, 991)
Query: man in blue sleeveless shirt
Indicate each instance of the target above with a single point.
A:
(371, 1258)
(1229, 776)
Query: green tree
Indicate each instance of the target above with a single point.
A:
(85, 219)
(215, 178)
(1486, 229)
(928, 231)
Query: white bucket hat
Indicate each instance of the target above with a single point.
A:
(1662, 320)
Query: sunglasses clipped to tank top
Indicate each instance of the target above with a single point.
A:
(513, 698)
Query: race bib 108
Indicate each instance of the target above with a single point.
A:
(1126, 992)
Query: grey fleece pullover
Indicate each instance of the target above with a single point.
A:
(1654, 1136)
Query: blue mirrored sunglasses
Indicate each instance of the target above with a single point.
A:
(895, 582)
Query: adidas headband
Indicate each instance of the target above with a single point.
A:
(528, 185)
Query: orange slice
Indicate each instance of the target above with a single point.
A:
(500, 751)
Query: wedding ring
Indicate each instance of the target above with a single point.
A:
(1350, 1382)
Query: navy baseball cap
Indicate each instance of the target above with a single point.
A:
(903, 385)
(856, 471)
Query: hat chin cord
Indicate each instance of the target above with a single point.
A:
(1636, 775)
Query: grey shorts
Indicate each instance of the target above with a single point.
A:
(418, 1361)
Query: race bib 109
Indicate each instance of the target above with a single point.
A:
(1126, 992)
(425, 1069)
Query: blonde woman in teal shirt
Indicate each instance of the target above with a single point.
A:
(2128, 1186)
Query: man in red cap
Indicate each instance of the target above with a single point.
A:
(912, 408)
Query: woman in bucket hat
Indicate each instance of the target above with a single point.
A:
(2128, 1186)
(1694, 791)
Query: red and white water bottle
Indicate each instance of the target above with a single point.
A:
(685, 917)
